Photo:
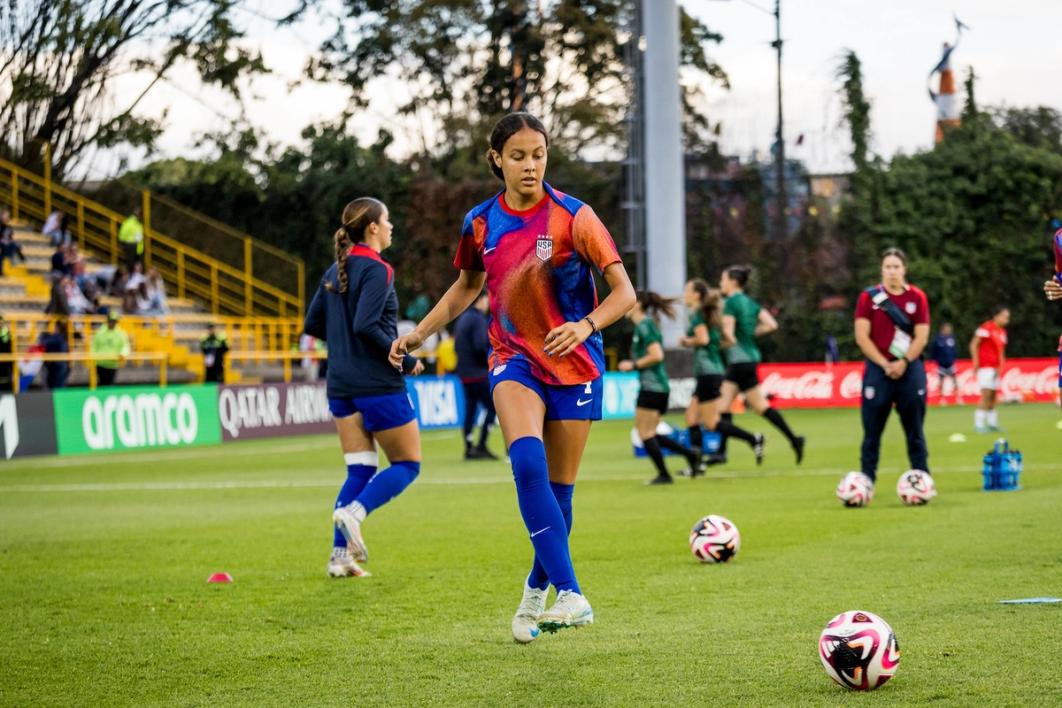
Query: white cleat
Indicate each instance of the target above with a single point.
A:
(569, 610)
(341, 565)
(525, 621)
(350, 527)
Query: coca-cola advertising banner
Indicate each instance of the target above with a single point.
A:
(837, 385)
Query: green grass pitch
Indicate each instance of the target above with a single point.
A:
(104, 601)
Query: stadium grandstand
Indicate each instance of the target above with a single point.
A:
(250, 291)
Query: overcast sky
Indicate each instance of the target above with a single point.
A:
(1013, 46)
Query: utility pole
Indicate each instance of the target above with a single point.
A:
(779, 135)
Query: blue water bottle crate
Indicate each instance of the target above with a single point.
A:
(1002, 468)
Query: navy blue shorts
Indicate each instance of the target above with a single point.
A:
(577, 402)
(391, 410)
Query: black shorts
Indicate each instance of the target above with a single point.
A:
(708, 387)
(744, 375)
(653, 400)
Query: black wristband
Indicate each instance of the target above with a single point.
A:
(593, 326)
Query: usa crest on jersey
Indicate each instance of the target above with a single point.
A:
(544, 247)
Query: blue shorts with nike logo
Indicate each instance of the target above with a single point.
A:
(578, 402)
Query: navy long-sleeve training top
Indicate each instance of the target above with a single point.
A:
(359, 326)
(472, 345)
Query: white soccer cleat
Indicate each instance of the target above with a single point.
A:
(341, 565)
(350, 527)
(569, 610)
(525, 621)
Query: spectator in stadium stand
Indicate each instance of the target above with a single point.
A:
(57, 304)
(55, 342)
(988, 352)
(892, 330)
(214, 347)
(943, 352)
(9, 247)
(131, 236)
(76, 302)
(6, 343)
(473, 347)
(154, 295)
(110, 339)
(59, 260)
(57, 229)
(131, 290)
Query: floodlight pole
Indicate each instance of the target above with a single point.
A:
(779, 134)
(664, 175)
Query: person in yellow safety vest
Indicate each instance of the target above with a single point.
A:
(131, 236)
(446, 354)
(5, 348)
(214, 347)
(110, 339)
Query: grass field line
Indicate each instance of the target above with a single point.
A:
(264, 447)
(176, 485)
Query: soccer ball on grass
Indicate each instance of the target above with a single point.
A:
(855, 489)
(859, 650)
(715, 539)
(916, 487)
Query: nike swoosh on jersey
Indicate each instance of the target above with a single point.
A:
(582, 402)
(489, 250)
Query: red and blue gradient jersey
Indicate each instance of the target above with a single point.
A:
(539, 265)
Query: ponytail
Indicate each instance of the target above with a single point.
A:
(739, 274)
(711, 299)
(652, 303)
(356, 218)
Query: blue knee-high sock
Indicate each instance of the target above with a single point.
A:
(388, 484)
(542, 514)
(563, 494)
(361, 466)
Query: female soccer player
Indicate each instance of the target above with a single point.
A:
(705, 335)
(988, 351)
(536, 248)
(892, 330)
(648, 352)
(744, 320)
(355, 310)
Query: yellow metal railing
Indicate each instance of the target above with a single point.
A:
(223, 288)
(80, 357)
(272, 338)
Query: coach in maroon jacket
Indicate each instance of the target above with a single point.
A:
(892, 330)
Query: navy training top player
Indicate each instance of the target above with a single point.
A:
(355, 310)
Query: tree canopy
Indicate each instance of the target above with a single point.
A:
(58, 59)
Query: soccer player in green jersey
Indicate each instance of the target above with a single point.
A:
(705, 336)
(744, 320)
(647, 350)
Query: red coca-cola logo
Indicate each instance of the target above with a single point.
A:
(809, 385)
(821, 386)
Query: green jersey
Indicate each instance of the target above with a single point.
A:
(706, 359)
(652, 378)
(746, 314)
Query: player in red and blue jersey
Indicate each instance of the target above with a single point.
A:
(537, 249)
(355, 310)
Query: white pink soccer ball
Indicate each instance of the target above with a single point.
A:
(715, 539)
(859, 650)
(855, 489)
(916, 487)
